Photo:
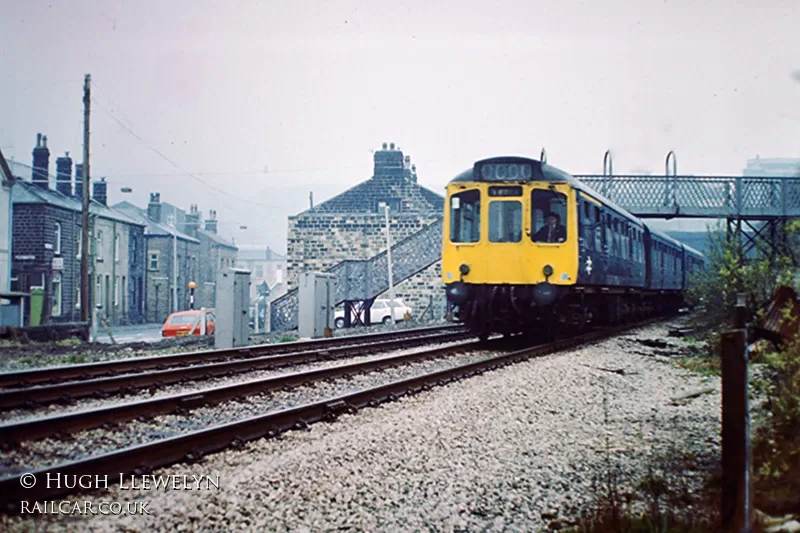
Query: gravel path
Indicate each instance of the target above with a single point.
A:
(516, 449)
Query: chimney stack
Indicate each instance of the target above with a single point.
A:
(41, 162)
(64, 175)
(154, 207)
(211, 221)
(192, 221)
(389, 163)
(100, 192)
(79, 181)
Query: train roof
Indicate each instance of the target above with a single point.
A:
(545, 172)
(673, 241)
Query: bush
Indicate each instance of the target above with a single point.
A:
(714, 291)
(776, 452)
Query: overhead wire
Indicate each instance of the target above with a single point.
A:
(171, 162)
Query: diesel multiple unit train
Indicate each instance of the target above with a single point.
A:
(527, 247)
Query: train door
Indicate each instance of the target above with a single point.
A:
(587, 251)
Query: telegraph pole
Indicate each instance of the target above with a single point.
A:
(86, 304)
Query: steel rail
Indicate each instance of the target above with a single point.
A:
(191, 447)
(105, 368)
(16, 432)
(65, 392)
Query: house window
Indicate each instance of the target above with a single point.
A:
(80, 244)
(152, 261)
(116, 248)
(116, 291)
(56, 311)
(99, 251)
(57, 237)
(259, 271)
(98, 292)
(33, 282)
(78, 297)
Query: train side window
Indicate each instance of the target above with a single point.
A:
(548, 216)
(598, 230)
(505, 221)
(465, 216)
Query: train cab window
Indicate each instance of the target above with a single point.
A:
(465, 216)
(548, 216)
(505, 221)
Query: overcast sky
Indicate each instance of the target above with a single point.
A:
(266, 101)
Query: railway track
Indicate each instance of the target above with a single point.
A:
(56, 374)
(12, 434)
(192, 446)
(68, 391)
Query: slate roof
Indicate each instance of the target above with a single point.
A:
(152, 227)
(5, 170)
(394, 180)
(217, 239)
(363, 198)
(26, 193)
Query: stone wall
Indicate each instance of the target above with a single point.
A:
(318, 242)
(34, 249)
(423, 290)
(215, 257)
(351, 226)
(159, 280)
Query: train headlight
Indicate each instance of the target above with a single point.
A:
(547, 271)
(464, 269)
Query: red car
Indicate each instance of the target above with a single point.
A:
(180, 324)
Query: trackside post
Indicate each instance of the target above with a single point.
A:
(735, 426)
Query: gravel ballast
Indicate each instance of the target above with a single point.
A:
(516, 449)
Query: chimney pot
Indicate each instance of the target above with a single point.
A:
(41, 163)
(154, 207)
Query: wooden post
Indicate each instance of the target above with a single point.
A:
(735, 427)
(86, 300)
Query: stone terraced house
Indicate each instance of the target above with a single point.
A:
(352, 226)
(46, 246)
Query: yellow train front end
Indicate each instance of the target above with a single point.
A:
(510, 249)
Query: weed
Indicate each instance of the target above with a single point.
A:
(662, 501)
(776, 455)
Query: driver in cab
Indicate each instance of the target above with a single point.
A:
(552, 231)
